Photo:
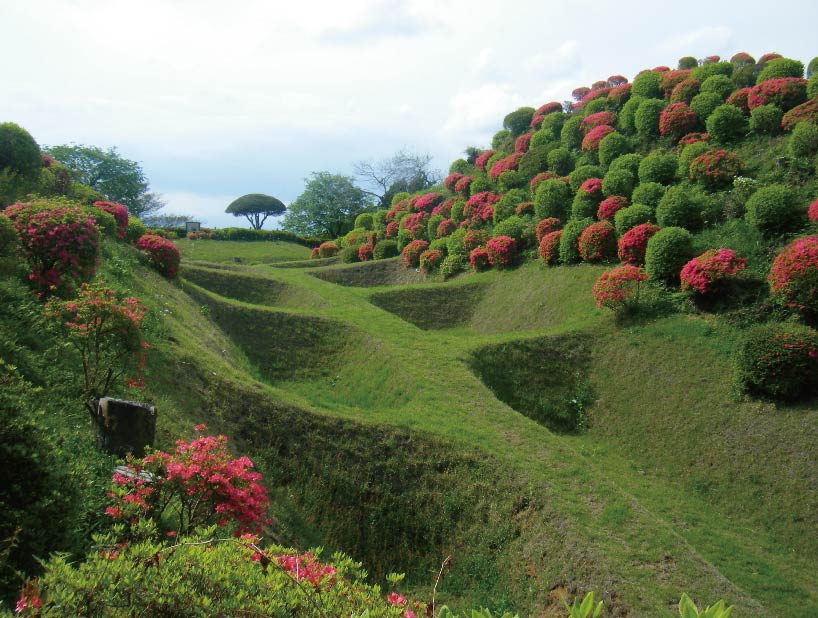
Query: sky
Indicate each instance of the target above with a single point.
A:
(218, 99)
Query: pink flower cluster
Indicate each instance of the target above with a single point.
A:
(671, 79)
(162, 254)
(462, 185)
(365, 252)
(480, 206)
(677, 120)
(806, 112)
(430, 259)
(505, 164)
(716, 168)
(546, 226)
(411, 253)
(617, 288)
(619, 95)
(793, 277)
(598, 120)
(704, 273)
(549, 248)
(451, 180)
(473, 239)
(307, 568)
(445, 228)
(479, 259)
(483, 158)
(426, 202)
(593, 187)
(594, 136)
(501, 251)
(685, 90)
(741, 98)
(522, 143)
(329, 248)
(692, 138)
(784, 92)
(120, 214)
(534, 183)
(812, 211)
(610, 206)
(634, 243)
(597, 242)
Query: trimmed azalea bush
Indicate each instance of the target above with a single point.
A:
(658, 167)
(519, 120)
(667, 252)
(501, 251)
(120, 214)
(812, 86)
(551, 224)
(430, 260)
(781, 67)
(715, 169)
(778, 361)
(552, 199)
(612, 146)
(453, 264)
(677, 120)
(804, 140)
(590, 143)
(774, 210)
(690, 152)
(411, 253)
(618, 289)
(569, 240)
(704, 103)
(682, 206)
(632, 216)
(706, 273)
(627, 115)
(350, 254)
(366, 252)
(785, 93)
(364, 221)
(549, 248)
(727, 123)
(587, 199)
(629, 162)
(766, 120)
(806, 112)
(647, 85)
(720, 84)
(505, 207)
(329, 249)
(793, 277)
(741, 99)
(712, 68)
(517, 228)
(648, 193)
(479, 259)
(610, 206)
(583, 173)
(571, 133)
(135, 230)
(560, 161)
(618, 182)
(597, 243)
(671, 79)
(634, 242)
(685, 90)
(647, 116)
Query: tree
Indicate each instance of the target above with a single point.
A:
(256, 207)
(119, 179)
(327, 207)
(19, 152)
(404, 171)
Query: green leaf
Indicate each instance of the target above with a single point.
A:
(687, 609)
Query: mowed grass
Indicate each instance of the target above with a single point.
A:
(260, 252)
(675, 487)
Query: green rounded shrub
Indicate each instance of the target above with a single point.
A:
(399, 197)
(668, 251)
(704, 103)
(781, 67)
(479, 184)
(19, 153)
(618, 182)
(552, 199)
(518, 122)
(8, 234)
(364, 221)
(712, 68)
(571, 133)
(804, 140)
(719, 84)
(461, 166)
(682, 206)
(687, 63)
(773, 210)
(517, 228)
(812, 86)
(560, 161)
(648, 193)
(612, 147)
(690, 152)
(507, 205)
(646, 118)
(627, 115)
(135, 230)
(812, 67)
(583, 173)
(727, 123)
(350, 254)
(632, 216)
(552, 126)
(778, 360)
(453, 264)
(658, 167)
(766, 119)
(502, 142)
(629, 162)
(569, 240)
(646, 85)
(533, 162)
(584, 205)
(385, 249)
(597, 105)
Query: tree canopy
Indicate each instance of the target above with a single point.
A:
(19, 153)
(403, 171)
(119, 179)
(327, 207)
(256, 207)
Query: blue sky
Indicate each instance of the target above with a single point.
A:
(220, 99)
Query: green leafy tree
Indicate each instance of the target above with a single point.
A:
(119, 179)
(256, 207)
(327, 207)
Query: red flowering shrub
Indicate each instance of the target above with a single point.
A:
(451, 180)
(430, 260)
(483, 158)
(806, 112)
(609, 206)
(705, 273)
(365, 252)
(462, 185)
(120, 214)
(550, 247)
(692, 138)
(593, 187)
(315, 254)
(524, 208)
(634, 243)
(619, 95)
(676, 120)
(415, 224)
(501, 251)
(60, 242)
(793, 277)
(549, 108)
(473, 239)
(522, 143)
(618, 289)
(444, 209)
(592, 95)
(671, 79)
(445, 227)
(329, 248)
(767, 57)
(785, 93)
(505, 164)
(715, 168)
(685, 90)
(663, 69)
(411, 253)
(200, 481)
(479, 259)
(742, 58)
(598, 242)
(598, 120)
(539, 178)
(617, 80)
(741, 99)
(480, 206)
(398, 207)
(594, 136)
(392, 229)
(551, 224)
(162, 254)
(425, 203)
(578, 93)
(812, 212)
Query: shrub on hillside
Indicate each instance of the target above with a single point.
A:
(715, 169)
(619, 95)
(648, 193)
(366, 252)
(535, 182)
(519, 121)
(658, 167)
(707, 273)
(785, 93)
(719, 84)
(507, 204)
(517, 228)
(766, 120)
(120, 214)
(671, 79)
(668, 250)
(350, 254)
(445, 228)
(560, 161)
(688, 154)
(685, 90)
(583, 173)
(613, 146)
(704, 103)
(453, 264)
(727, 123)
(779, 68)
(552, 199)
(646, 119)
(618, 182)
(677, 120)
(571, 133)
(618, 289)
(629, 162)
(463, 184)
(587, 199)
(634, 242)
(329, 248)
(610, 206)
(806, 112)
(592, 121)
(411, 253)
(135, 230)
(688, 62)
(682, 206)
(505, 164)
(812, 86)
(741, 99)
(804, 140)
(162, 254)
(590, 143)
(549, 248)
(479, 259)
(569, 240)
(8, 234)
(524, 209)
(385, 249)
(546, 226)
(480, 206)
(779, 361)
(793, 277)
(646, 85)
(364, 221)
(632, 216)
(551, 127)
(712, 68)
(597, 243)
(627, 115)
(483, 158)
(430, 260)
(501, 251)
(773, 210)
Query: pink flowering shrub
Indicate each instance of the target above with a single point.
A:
(425, 203)
(546, 226)
(619, 95)
(593, 187)
(633, 243)
(806, 112)
(445, 228)
(315, 253)
(692, 138)
(591, 140)
(549, 248)
(812, 211)
(444, 209)
(592, 95)
(501, 251)
(430, 260)
(60, 243)
(451, 180)
(785, 93)
(598, 120)
(480, 206)
(715, 168)
(505, 164)
(685, 90)
(671, 79)
(768, 57)
(411, 253)
(200, 483)
(741, 98)
(329, 248)
(120, 214)
(522, 143)
(483, 158)
(598, 242)
(396, 209)
(705, 274)
(473, 239)
(162, 254)
(549, 108)
(462, 185)
(618, 289)
(306, 567)
(793, 277)
(610, 206)
(579, 93)
(479, 259)
(415, 224)
(365, 252)
(538, 179)
(676, 120)
(392, 229)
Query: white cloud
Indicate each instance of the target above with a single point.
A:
(478, 113)
(703, 41)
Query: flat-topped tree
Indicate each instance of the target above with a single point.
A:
(256, 207)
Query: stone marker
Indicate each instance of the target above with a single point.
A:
(125, 426)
